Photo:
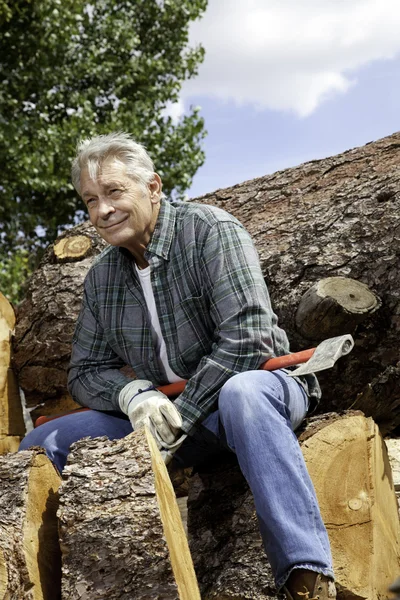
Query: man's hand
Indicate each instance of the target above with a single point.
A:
(145, 405)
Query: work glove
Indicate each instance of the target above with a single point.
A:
(145, 405)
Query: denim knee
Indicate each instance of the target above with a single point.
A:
(56, 436)
(245, 393)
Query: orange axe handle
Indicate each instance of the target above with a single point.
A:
(174, 389)
(272, 364)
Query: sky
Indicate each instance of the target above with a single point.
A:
(288, 81)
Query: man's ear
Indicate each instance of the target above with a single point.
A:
(155, 187)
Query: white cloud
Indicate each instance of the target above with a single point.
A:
(290, 54)
(175, 110)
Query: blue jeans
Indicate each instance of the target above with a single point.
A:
(257, 414)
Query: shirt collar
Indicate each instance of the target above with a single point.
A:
(161, 239)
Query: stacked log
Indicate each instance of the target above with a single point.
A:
(12, 426)
(327, 236)
(121, 532)
(122, 537)
(42, 342)
(348, 463)
(30, 566)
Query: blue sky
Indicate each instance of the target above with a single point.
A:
(285, 82)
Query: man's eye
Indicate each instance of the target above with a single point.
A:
(114, 191)
(90, 201)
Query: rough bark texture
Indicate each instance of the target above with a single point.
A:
(46, 321)
(111, 530)
(334, 217)
(30, 566)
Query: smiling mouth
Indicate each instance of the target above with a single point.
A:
(114, 224)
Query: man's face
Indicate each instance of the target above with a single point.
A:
(123, 212)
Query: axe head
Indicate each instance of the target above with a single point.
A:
(325, 355)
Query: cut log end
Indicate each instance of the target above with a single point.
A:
(72, 248)
(349, 466)
(7, 312)
(29, 550)
(9, 443)
(11, 417)
(334, 306)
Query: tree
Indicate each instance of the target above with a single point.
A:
(70, 69)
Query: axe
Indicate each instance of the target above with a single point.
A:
(312, 360)
(324, 356)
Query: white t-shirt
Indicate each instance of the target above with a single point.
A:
(158, 340)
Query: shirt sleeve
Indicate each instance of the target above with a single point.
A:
(246, 331)
(94, 377)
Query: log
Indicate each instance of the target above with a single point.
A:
(334, 306)
(42, 344)
(349, 467)
(348, 463)
(70, 248)
(381, 399)
(12, 426)
(9, 443)
(30, 564)
(121, 533)
(336, 217)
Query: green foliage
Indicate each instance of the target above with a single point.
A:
(14, 271)
(69, 70)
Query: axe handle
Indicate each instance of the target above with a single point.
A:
(272, 364)
(174, 389)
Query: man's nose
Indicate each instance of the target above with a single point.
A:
(106, 208)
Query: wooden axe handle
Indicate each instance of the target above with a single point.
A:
(272, 364)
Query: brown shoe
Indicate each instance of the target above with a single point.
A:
(309, 585)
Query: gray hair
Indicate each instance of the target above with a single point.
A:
(92, 152)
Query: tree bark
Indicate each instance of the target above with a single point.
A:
(336, 217)
(46, 320)
(121, 532)
(30, 566)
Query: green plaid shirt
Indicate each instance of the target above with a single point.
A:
(213, 305)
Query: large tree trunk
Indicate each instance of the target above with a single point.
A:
(334, 217)
(337, 217)
(121, 531)
(46, 320)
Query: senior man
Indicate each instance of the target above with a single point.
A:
(179, 294)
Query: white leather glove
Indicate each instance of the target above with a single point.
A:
(145, 405)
